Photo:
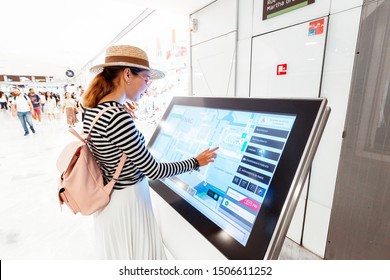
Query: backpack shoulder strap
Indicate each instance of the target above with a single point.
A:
(81, 138)
(98, 116)
(110, 185)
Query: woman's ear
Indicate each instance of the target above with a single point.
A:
(127, 72)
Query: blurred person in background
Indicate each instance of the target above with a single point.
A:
(43, 101)
(3, 101)
(69, 107)
(22, 107)
(36, 102)
(51, 106)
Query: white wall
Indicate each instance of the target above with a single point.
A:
(328, 74)
(213, 50)
(244, 45)
(317, 10)
(286, 39)
(342, 6)
(337, 73)
(321, 65)
(291, 46)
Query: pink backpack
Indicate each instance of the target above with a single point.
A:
(81, 185)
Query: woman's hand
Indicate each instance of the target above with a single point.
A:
(131, 107)
(207, 156)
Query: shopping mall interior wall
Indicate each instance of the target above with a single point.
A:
(303, 56)
(308, 53)
(336, 78)
(319, 63)
(213, 49)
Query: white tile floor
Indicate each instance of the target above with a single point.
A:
(32, 225)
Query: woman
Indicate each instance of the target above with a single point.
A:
(50, 106)
(3, 101)
(70, 108)
(126, 227)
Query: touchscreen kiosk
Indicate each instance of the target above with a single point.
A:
(251, 190)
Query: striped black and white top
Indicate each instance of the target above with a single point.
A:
(114, 133)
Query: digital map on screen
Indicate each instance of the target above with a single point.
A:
(230, 191)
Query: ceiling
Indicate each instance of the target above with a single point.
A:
(46, 38)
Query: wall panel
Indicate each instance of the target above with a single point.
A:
(338, 65)
(214, 20)
(302, 54)
(213, 67)
(338, 6)
(318, 9)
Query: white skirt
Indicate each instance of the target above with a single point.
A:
(126, 228)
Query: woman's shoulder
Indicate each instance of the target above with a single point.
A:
(111, 109)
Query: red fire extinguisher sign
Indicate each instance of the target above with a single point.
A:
(281, 69)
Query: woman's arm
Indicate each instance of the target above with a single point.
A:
(122, 132)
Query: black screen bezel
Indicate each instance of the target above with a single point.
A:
(306, 111)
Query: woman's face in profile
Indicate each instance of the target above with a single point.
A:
(139, 85)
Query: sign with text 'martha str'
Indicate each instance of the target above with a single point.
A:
(273, 8)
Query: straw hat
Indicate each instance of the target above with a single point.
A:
(125, 55)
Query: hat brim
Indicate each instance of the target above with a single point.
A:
(154, 73)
